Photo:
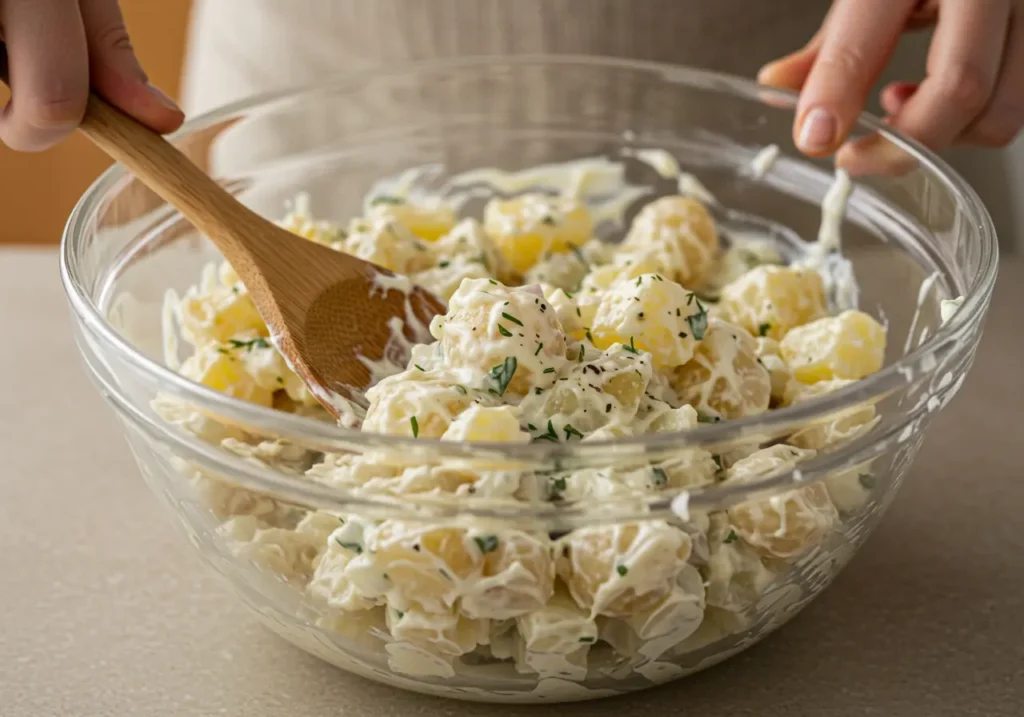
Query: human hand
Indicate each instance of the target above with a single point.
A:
(56, 50)
(973, 92)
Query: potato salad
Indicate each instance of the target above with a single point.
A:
(551, 336)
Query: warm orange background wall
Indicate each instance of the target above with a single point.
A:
(37, 191)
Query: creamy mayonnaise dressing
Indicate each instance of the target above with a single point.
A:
(604, 341)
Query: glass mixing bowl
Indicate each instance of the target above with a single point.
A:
(234, 474)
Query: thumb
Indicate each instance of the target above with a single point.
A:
(115, 72)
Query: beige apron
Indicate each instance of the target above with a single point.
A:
(242, 47)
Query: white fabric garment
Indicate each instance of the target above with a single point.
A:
(243, 47)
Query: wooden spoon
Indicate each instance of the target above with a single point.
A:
(326, 310)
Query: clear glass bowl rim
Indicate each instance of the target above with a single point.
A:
(919, 363)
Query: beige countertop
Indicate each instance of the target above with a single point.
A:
(106, 610)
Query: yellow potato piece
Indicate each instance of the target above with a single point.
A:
(532, 226)
(848, 346)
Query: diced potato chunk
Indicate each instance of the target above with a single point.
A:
(771, 300)
(848, 346)
(532, 226)
(682, 231)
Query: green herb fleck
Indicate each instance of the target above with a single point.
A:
(731, 537)
(660, 477)
(280, 380)
(503, 331)
(549, 220)
(549, 370)
(503, 373)
(581, 353)
(704, 418)
(570, 432)
(587, 639)
(632, 347)
(222, 350)
(579, 257)
(622, 570)
(354, 547)
(444, 264)
(415, 427)
(486, 543)
(420, 367)
(763, 329)
(717, 459)
(867, 481)
(589, 337)
(551, 435)
(698, 322)
(539, 347)
(511, 318)
(386, 199)
(461, 389)
(258, 343)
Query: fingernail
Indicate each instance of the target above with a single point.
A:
(818, 132)
(163, 98)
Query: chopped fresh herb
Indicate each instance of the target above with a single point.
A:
(400, 614)
(550, 435)
(386, 199)
(419, 367)
(578, 312)
(503, 373)
(589, 337)
(632, 347)
(280, 380)
(558, 485)
(538, 390)
(354, 547)
(867, 481)
(539, 347)
(660, 477)
(698, 322)
(493, 281)
(486, 543)
(581, 353)
(444, 574)
(531, 426)
(503, 331)
(704, 418)
(235, 290)
(415, 427)
(763, 329)
(258, 343)
(588, 639)
(550, 369)
(731, 537)
(511, 318)
(461, 389)
(222, 350)
(717, 459)
(622, 570)
(549, 220)
(639, 280)
(579, 256)
(570, 432)
(444, 264)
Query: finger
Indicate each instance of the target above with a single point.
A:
(963, 64)
(895, 95)
(1002, 120)
(791, 71)
(857, 44)
(115, 70)
(48, 72)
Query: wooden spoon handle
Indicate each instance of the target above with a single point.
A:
(166, 171)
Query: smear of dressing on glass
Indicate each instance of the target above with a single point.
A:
(762, 162)
(922, 296)
(825, 255)
(948, 307)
